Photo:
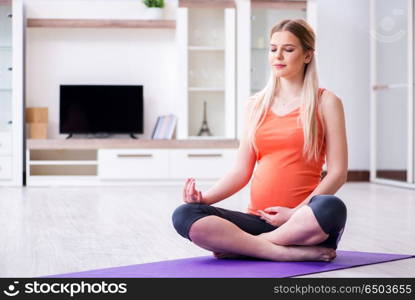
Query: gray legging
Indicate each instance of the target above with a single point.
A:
(329, 210)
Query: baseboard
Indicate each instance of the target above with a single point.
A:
(358, 175)
(400, 175)
(364, 175)
(354, 175)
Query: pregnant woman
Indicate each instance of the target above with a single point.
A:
(291, 128)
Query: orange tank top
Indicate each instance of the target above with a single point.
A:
(282, 175)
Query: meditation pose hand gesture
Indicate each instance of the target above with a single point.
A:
(276, 215)
(190, 194)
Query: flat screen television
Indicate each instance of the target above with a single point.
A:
(93, 109)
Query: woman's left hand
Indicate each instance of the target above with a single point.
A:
(276, 215)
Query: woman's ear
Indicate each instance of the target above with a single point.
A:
(308, 56)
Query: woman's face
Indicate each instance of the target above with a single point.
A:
(286, 56)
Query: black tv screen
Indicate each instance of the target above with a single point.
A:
(101, 109)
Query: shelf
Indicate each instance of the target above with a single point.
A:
(272, 4)
(63, 162)
(64, 179)
(5, 90)
(203, 89)
(101, 23)
(205, 48)
(5, 47)
(259, 49)
(63, 170)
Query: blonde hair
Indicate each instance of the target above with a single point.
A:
(263, 100)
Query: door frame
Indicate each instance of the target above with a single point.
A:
(373, 103)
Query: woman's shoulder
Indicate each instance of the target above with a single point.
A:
(330, 102)
(328, 98)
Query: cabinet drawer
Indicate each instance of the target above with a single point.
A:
(6, 167)
(132, 164)
(5, 143)
(200, 163)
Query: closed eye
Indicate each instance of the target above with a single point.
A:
(287, 50)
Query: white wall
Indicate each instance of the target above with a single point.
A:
(342, 29)
(57, 56)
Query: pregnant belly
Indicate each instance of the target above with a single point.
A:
(286, 187)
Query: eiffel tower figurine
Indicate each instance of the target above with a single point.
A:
(204, 130)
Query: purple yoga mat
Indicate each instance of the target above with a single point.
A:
(210, 267)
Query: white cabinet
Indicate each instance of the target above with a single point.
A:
(6, 143)
(164, 164)
(5, 167)
(200, 163)
(133, 164)
(206, 39)
(11, 92)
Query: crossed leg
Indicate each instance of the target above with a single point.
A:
(215, 229)
(222, 236)
(301, 229)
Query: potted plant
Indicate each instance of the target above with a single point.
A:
(154, 8)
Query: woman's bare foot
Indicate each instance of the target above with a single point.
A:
(311, 253)
(293, 253)
(304, 253)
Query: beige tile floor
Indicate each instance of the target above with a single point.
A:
(58, 230)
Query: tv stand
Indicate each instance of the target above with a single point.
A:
(69, 136)
(98, 162)
(133, 136)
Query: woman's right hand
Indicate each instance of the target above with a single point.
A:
(190, 194)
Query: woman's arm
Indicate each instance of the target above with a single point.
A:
(336, 142)
(241, 173)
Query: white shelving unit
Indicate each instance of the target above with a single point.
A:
(54, 165)
(206, 44)
(11, 93)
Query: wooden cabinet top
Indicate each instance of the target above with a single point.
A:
(55, 144)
